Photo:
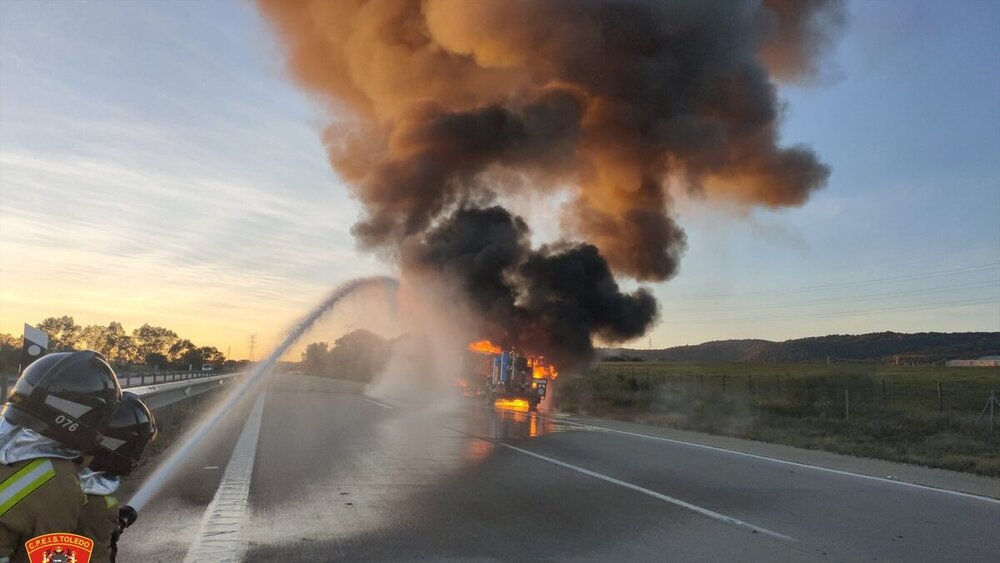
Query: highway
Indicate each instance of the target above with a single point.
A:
(312, 473)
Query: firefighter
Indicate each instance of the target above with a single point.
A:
(57, 410)
(132, 427)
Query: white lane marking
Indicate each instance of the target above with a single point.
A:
(220, 537)
(383, 405)
(692, 507)
(894, 481)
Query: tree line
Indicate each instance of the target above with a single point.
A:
(148, 345)
(359, 355)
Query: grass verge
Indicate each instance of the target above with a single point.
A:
(808, 413)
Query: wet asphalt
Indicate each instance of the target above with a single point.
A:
(340, 477)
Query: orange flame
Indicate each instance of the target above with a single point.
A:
(541, 371)
(484, 347)
(517, 405)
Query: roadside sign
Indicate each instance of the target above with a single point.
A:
(36, 344)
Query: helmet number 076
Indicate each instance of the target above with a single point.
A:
(67, 423)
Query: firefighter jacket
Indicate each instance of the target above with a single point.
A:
(99, 517)
(39, 488)
(98, 521)
(37, 496)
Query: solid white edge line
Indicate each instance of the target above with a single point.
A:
(220, 536)
(383, 405)
(782, 461)
(692, 507)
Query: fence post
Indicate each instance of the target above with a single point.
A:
(750, 384)
(723, 383)
(991, 405)
(940, 400)
(701, 382)
(847, 404)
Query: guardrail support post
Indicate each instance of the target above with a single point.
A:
(847, 404)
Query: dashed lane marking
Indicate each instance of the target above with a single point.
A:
(383, 405)
(675, 501)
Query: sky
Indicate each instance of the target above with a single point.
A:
(158, 166)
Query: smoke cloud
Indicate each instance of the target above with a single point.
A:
(445, 106)
(550, 300)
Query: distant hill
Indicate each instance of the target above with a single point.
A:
(921, 348)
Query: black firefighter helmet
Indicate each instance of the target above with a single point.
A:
(132, 427)
(66, 396)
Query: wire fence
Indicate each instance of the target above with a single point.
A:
(804, 395)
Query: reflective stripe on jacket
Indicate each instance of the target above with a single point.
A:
(27, 480)
(40, 496)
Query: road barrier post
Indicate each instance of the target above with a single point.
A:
(940, 400)
(885, 397)
(847, 404)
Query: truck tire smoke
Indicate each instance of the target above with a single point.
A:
(156, 481)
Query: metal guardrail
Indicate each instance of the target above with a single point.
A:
(158, 389)
(129, 380)
(160, 395)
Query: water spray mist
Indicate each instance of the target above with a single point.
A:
(155, 482)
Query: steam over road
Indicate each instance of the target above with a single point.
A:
(339, 476)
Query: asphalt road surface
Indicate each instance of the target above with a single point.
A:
(338, 476)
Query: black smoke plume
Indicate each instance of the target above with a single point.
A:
(444, 103)
(549, 301)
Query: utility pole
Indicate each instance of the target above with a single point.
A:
(252, 341)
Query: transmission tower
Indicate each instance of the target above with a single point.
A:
(252, 342)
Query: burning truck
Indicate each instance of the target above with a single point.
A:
(506, 379)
